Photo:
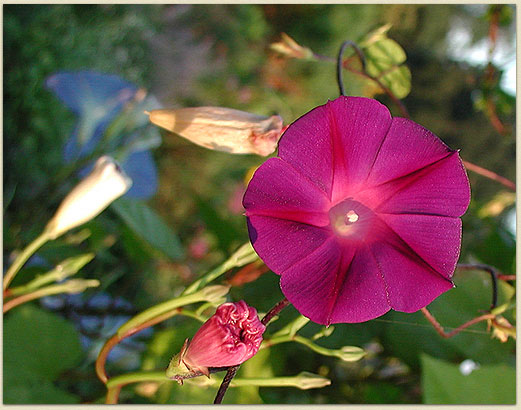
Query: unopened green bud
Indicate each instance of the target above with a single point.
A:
(79, 285)
(350, 353)
(306, 380)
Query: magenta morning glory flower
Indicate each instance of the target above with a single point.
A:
(230, 337)
(359, 213)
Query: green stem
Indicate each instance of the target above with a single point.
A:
(302, 381)
(34, 284)
(244, 255)
(140, 377)
(316, 348)
(292, 327)
(63, 270)
(211, 293)
(152, 316)
(299, 381)
(346, 353)
(115, 339)
(23, 257)
(137, 377)
(72, 286)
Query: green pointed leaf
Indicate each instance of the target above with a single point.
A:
(34, 339)
(384, 61)
(384, 54)
(345, 353)
(398, 80)
(444, 383)
(149, 226)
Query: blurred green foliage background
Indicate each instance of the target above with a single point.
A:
(218, 55)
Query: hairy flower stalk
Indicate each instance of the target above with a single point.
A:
(230, 337)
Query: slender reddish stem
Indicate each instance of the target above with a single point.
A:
(275, 310)
(442, 332)
(506, 277)
(102, 357)
(491, 71)
(396, 100)
(489, 174)
(18, 301)
(113, 394)
(114, 340)
(230, 374)
(37, 294)
(494, 118)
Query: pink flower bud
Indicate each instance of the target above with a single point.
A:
(230, 337)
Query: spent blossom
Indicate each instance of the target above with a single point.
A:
(222, 129)
(290, 48)
(359, 213)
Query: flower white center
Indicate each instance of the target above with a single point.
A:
(351, 220)
(351, 217)
(344, 223)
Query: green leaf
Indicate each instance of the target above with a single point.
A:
(444, 383)
(384, 54)
(34, 339)
(469, 299)
(497, 248)
(398, 80)
(382, 393)
(38, 346)
(34, 391)
(149, 226)
(384, 61)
